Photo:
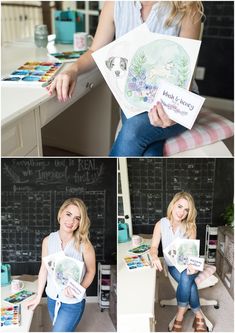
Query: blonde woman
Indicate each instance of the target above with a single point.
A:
(64, 307)
(179, 223)
(144, 134)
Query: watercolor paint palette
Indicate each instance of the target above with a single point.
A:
(33, 73)
(136, 262)
(11, 316)
(68, 56)
(18, 297)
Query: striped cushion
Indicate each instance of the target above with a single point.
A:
(209, 128)
(205, 274)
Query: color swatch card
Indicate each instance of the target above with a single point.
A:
(11, 316)
(19, 296)
(32, 74)
(180, 105)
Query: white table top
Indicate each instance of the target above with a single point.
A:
(16, 100)
(26, 315)
(135, 289)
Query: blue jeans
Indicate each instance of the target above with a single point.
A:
(69, 315)
(138, 137)
(187, 292)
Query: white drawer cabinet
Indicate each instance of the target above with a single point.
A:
(20, 138)
(51, 109)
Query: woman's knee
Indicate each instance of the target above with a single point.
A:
(132, 129)
(186, 278)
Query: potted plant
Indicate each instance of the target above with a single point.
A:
(228, 215)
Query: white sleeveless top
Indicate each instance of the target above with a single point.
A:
(54, 246)
(168, 236)
(127, 16)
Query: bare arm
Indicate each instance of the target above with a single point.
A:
(190, 269)
(89, 259)
(65, 82)
(42, 277)
(154, 246)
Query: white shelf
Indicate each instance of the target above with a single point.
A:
(105, 287)
(104, 280)
(211, 260)
(212, 247)
(211, 235)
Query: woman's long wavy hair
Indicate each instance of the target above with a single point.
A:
(81, 234)
(182, 8)
(189, 223)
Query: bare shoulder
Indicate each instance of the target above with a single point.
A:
(45, 246)
(157, 225)
(108, 5)
(88, 247)
(108, 9)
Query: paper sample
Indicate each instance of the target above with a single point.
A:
(134, 64)
(179, 251)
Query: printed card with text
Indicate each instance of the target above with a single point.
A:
(196, 263)
(181, 105)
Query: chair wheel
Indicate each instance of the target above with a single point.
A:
(216, 306)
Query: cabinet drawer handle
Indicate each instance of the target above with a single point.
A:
(90, 85)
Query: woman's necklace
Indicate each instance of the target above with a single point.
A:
(174, 226)
(64, 242)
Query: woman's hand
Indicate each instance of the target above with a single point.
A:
(191, 270)
(156, 263)
(33, 303)
(64, 84)
(158, 117)
(68, 292)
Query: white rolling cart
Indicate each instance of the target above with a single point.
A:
(104, 285)
(210, 244)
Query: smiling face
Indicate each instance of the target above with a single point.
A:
(180, 210)
(70, 218)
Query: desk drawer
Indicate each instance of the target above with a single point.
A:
(19, 138)
(52, 108)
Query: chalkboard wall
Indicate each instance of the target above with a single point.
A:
(153, 183)
(217, 50)
(33, 190)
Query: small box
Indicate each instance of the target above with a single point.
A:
(66, 24)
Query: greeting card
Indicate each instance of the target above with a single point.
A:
(180, 105)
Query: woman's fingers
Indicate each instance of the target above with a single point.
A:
(154, 118)
(166, 121)
(158, 117)
(63, 85)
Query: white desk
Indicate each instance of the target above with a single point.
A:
(25, 110)
(136, 296)
(26, 315)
